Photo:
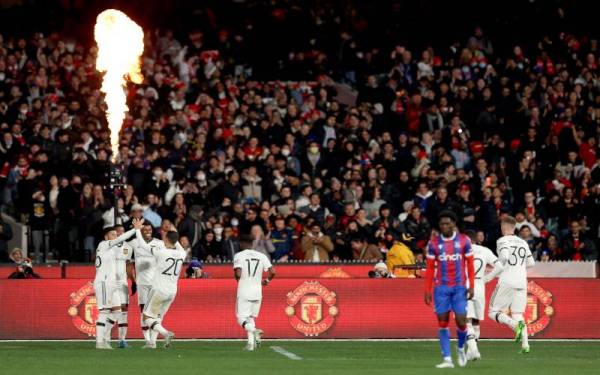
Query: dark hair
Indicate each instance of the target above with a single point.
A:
(447, 214)
(246, 242)
(472, 234)
(358, 239)
(172, 236)
(107, 230)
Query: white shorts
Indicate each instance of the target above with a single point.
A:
(476, 305)
(123, 292)
(158, 304)
(143, 292)
(507, 298)
(245, 309)
(107, 295)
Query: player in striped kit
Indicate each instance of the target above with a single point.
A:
(449, 264)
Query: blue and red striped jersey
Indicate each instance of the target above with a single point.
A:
(450, 255)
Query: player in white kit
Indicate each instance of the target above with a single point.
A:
(124, 272)
(145, 267)
(169, 262)
(105, 285)
(511, 292)
(248, 266)
(483, 257)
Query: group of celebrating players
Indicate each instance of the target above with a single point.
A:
(154, 266)
(456, 269)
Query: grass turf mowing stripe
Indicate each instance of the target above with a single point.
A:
(284, 352)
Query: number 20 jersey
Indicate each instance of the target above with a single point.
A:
(513, 253)
(253, 264)
(169, 263)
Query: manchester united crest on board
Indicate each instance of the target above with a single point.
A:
(539, 310)
(83, 310)
(311, 308)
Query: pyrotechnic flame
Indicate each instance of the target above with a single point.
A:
(120, 46)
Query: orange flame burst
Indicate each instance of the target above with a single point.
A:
(120, 46)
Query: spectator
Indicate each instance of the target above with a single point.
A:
(260, 242)
(6, 235)
(230, 244)
(576, 246)
(282, 238)
(316, 246)
(362, 250)
(398, 256)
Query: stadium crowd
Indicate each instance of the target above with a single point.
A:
(309, 173)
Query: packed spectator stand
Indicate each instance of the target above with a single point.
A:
(346, 160)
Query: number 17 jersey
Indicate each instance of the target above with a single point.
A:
(513, 253)
(253, 264)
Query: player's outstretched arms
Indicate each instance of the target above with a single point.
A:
(122, 238)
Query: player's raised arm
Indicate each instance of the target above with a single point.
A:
(122, 238)
(143, 248)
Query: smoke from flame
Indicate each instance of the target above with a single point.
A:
(120, 46)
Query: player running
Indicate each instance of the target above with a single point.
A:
(249, 266)
(450, 258)
(482, 257)
(106, 286)
(145, 267)
(169, 261)
(511, 292)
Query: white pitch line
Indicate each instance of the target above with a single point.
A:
(297, 340)
(284, 352)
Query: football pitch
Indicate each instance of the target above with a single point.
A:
(293, 357)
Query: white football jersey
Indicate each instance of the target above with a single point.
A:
(123, 254)
(106, 258)
(145, 264)
(515, 255)
(253, 264)
(482, 257)
(169, 263)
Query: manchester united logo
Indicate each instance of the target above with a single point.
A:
(316, 311)
(83, 310)
(539, 308)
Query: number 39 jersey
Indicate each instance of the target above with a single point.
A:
(253, 264)
(169, 263)
(514, 253)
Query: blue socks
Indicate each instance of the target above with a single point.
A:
(444, 335)
(461, 333)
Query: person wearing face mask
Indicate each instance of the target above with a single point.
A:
(312, 164)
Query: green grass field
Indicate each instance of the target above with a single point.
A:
(317, 358)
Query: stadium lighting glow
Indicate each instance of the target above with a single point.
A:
(120, 45)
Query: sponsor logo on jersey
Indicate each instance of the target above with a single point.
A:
(539, 311)
(450, 257)
(83, 310)
(311, 308)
